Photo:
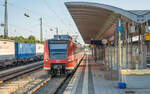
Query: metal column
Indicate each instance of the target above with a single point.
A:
(6, 21)
(139, 47)
(111, 52)
(145, 48)
(122, 47)
(126, 38)
(130, 64)
(41, 32)
(109, 56)
(119, 59)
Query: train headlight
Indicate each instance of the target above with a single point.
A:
(69, 60)
(46, 60)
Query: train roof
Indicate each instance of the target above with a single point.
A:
(61, 37)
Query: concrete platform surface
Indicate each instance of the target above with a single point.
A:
(90, 79)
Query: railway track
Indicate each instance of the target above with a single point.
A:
(57, 84)
(18, 65)
(14, 72)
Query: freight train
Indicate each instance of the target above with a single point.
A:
(13, 53)
(61, 54)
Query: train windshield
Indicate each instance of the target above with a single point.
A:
(58, 49)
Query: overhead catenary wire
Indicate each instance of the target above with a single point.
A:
(15, 7)
(71, 26)
(62, 11)
(53, 11)
(46, 3)
(65, 13)
(25, 9)
(46, 25)
(31, 12)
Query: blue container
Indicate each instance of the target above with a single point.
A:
(121, 85)
(24, 50)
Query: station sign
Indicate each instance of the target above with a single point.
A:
(119, 29)
(96, 42)
(91, 46)
(104, 41)
(147, 36)
(135, 38)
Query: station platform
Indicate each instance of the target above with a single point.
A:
(90, 78)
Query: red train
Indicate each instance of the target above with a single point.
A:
(61, 54)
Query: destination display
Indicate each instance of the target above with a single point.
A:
(58, 42)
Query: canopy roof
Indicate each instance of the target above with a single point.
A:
(96, 21)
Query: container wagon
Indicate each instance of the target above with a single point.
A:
(7, 52)
(25, 52)
(12, 53)
(39, 51)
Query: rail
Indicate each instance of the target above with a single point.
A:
(14, 72)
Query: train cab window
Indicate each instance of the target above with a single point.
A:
(58, 50)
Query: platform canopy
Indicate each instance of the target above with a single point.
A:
(96, 21)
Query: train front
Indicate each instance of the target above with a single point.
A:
(55, 56)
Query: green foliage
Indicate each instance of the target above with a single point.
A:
(21, 39)
(1, 36)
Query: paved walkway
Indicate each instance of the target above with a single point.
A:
(89, 79)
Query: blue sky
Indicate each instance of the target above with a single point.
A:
(54, 14)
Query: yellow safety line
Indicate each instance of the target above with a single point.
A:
(39, 86)
(135, 73)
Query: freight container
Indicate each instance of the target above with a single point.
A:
(25, 50)
(39, 49)
(7, 51)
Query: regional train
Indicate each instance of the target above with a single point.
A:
(61, 54)
(13, 53)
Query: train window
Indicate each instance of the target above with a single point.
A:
(58, 51)
(58, 46)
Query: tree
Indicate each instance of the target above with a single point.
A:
(1, 36)
(21, 39)
(31, 39)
